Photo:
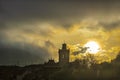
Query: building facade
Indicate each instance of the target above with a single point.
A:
(64, 54)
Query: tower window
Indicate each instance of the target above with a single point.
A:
(63, 56)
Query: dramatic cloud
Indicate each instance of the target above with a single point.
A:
(22, 54)
(42, 26)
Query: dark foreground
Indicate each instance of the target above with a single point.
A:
(72, 71)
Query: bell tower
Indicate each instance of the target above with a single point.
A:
(64, 54)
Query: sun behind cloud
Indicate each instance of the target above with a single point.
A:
(93, 47)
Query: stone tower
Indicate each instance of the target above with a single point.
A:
(64, 54)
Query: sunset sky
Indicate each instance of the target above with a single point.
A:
(33, 31)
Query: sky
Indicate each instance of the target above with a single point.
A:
(31, 32)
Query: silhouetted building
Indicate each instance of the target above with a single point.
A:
(76, 70)
(51, 61)
(51, 66)
(64, 54)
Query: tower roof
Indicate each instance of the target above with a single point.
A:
(64, 46)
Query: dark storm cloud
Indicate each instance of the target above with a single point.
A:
(1, 8)
(61, 12)
(22, 53)
(49, 44)
(2, 25)
(17, 14)
(35, 29)
(110, 25)
(13, 56)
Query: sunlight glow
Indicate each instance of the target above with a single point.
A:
(93, 47)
